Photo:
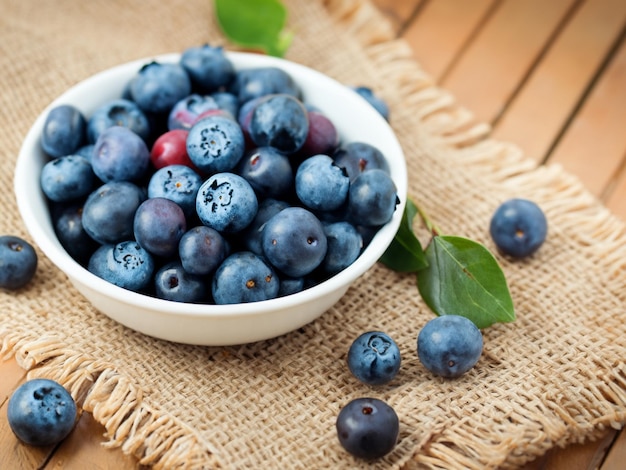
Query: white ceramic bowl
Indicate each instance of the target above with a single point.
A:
(211, 324)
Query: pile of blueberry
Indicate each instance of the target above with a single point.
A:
(207, 184)
(448, 346)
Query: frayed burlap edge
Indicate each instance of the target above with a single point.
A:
(153, 437)
(159, 440)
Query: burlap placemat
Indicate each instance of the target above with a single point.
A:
(553, 377)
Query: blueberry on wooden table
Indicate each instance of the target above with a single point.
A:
(374, 358)
(368, 428)
(18, 262)
(518, 227)
(449, 345)
(41, 412)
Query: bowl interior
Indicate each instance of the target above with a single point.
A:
(355, 120)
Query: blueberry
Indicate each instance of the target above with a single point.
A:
(290, 285)
(260, 81)
(68, 227)
(85, 151)
(227, 101)
(208, 67)
(185, 113)
(280, 121)
(518, 227)
(159, 225)
(119, 112)
(368, 428)
(226, 202)
(244, 277)
(252, 235)
(320, 184)
(322, 137)
(344, 246)
(374, 358)
(109, 211)
(170, 148)
(125, 264)
(372, 198)
(157, 87)
(63, 131)
(294, 241)
(18, 262)
(449, 345)
(357, 157)
(120, 155)
(178, 183)
(374, 100)
(268, 171)
(67, 178)
(173, 283)
(215, 144)
(41, 412)
(201, 250)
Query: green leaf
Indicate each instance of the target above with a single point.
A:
(255, 24)
(405, 253)
(464, 278)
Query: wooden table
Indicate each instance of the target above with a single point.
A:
(549, 76)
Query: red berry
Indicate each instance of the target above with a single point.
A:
(171, 149)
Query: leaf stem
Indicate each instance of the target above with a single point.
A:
(428, 223)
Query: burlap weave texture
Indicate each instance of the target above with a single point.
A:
(553, 377)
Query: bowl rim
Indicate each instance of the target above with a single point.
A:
(52, 248)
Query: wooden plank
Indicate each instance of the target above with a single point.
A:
(83, 449)
(12, 375)
(585, 456)
(542, 108)
(616, 457)
(441, 31)
(399, 12)
(503, 53)
(595, 142)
